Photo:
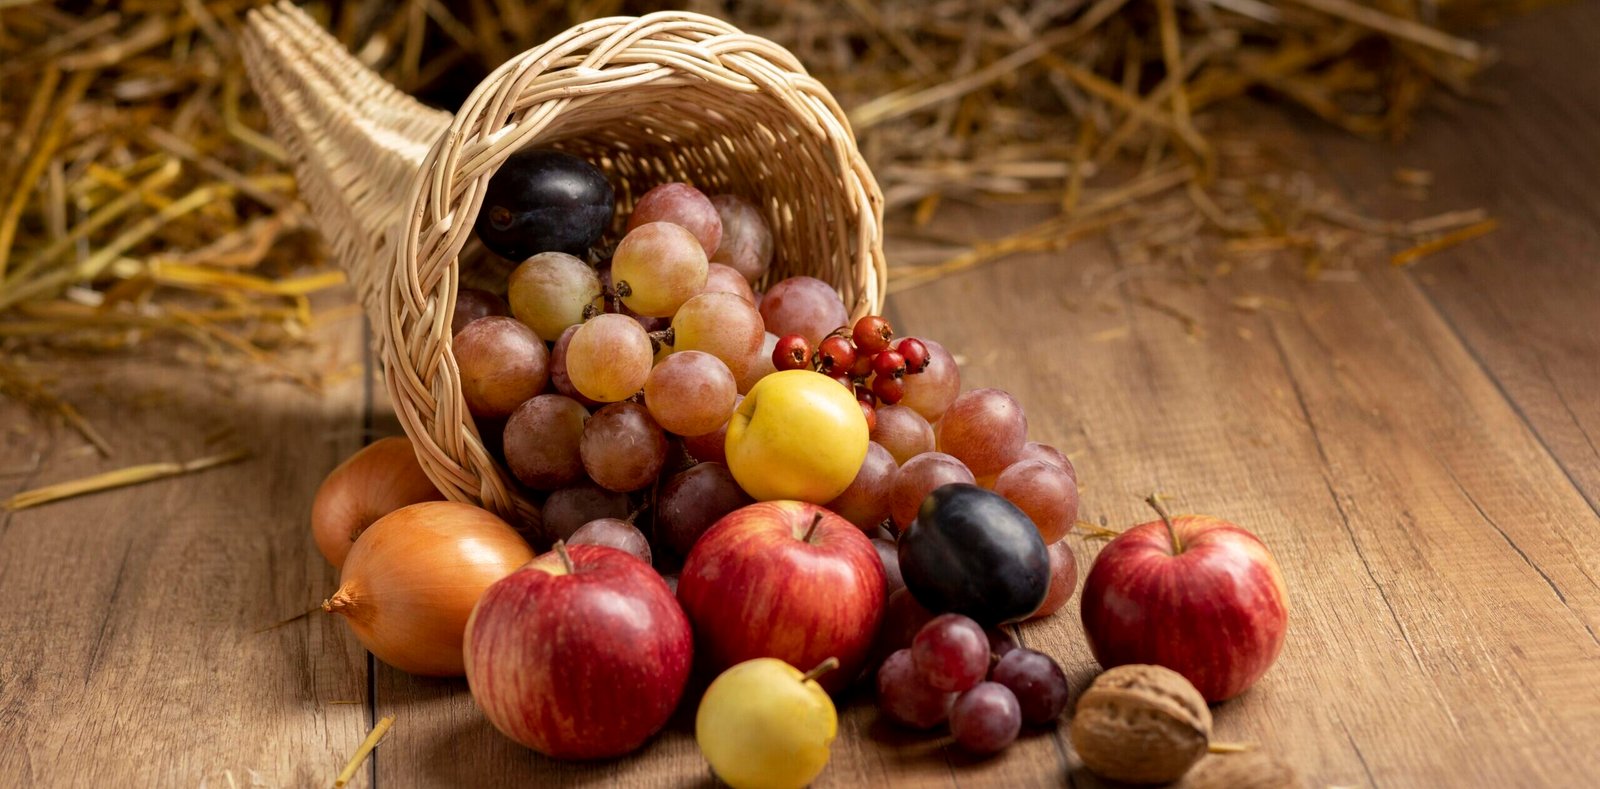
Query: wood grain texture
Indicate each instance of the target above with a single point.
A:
(1415, 447)
(1523, 298)
(131, 643)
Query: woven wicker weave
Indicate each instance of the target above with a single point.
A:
(671, 96)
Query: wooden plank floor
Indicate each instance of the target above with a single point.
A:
(1418, 448)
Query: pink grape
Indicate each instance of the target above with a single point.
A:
(903, 432)
(932, 391)
(746, 239)
(1046, 494)
(983, 428)
(919, 477)
(1034, 450)
(806, 306)
(906, 699)
(951, 653)
(609, 358)
(866, 502)
(684, 206)
(541, 441)
(661, 265)
(690, 393)
(692, 501)
(723, 279)
(616, 533)
(550, 290)
(569, 508)
(623, 449)
(711, 447)
(1063, 579)
(472, 304)
(1038, 683)
(502, 363)
(986, 719)
(722, 325)
(903, 618)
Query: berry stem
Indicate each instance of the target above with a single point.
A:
(566, 558)
(1155, 504)
(822, 668)
(815, 519)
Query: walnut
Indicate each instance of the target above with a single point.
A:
(1141, 725)
(1248, 770)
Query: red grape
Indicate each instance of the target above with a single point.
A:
(918, 477)
(951, 653)
(692, 501)
(985, 429)
(746, 239)
(866, 502)
(1038, 683)
(711, 447)
(1000, 642)
(870, 413)
(1034, 450)
(906, 699)
(986, 719)
(541, 441)
(681, 205)
(723, 279)
(690, 393)
(806, 306)
(889, 555)
(903, 618)
(472, 304)
(569, 508)
(932, 391)
(1046, 494)
(1063, 579)
(558, 368)
(502, 363)
(623, 449)
(792, 352)
(872, 334)
(614, 532)
(903, 432)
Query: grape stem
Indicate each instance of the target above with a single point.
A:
(1155, 504)
(815, 519)
(663, 337)
(566, 558)
(1230, 747)
(822, 668)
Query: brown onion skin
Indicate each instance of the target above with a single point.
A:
(586, 664)
(411, 580)
(377, 480)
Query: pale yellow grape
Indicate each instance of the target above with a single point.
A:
(549, 292)
(609, 358)
(659, 266)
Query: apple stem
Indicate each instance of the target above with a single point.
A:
(822, 668)
(566, 558)
(1230, 747)
(815, 519)
(1155, 504)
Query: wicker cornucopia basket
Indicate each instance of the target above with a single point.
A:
(395, 186)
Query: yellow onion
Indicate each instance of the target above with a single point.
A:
(381, 478)
(411, 580)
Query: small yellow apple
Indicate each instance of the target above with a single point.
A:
(797, 435)
(764, 725)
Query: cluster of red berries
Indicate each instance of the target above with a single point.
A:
(865, 358)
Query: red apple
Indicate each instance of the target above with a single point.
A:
(1063, 579)
(784, 579)
(1200, 596)
(581, 654)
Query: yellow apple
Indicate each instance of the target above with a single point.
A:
(797, 435)
(764, 725)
